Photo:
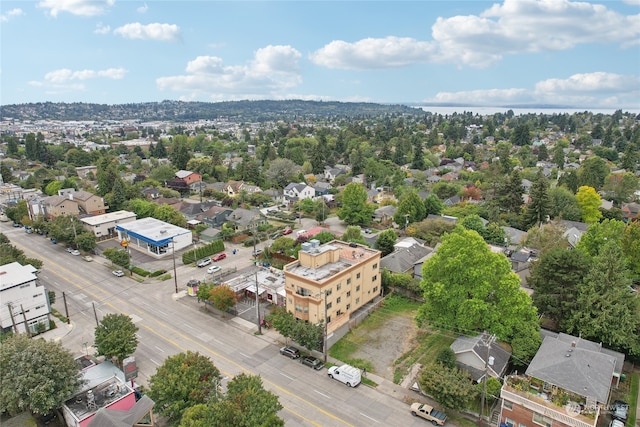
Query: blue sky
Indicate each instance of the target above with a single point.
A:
(560, 52)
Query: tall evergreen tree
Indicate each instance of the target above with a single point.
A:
(539, 209)
(605, 311)
(418, 154)
(510, 193)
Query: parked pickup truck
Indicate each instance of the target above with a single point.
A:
(427, 412)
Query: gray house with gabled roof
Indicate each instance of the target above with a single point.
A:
(471, 356)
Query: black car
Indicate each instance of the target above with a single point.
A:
(312, 362)
(620, 410)
(290, 352)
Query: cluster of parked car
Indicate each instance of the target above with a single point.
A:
(294, 353)
(619, 414)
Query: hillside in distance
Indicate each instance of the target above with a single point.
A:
(249, 111)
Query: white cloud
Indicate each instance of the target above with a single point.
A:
(65, 75)
(143, 9)
(273, 70)
(76, 7)
(155, 31)
(373, 53)
(102, 29)
(523, 26)
(510, 28)
(5, 17)
(590, 90)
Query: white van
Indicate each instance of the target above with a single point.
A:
(347, 374)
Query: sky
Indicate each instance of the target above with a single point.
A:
(514, 52)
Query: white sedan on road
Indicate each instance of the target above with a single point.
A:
(118, 273)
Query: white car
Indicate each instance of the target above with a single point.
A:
(214, 269)
(75, 252)
(118, 273)
(203, 262)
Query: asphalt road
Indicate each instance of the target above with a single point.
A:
(168, 325)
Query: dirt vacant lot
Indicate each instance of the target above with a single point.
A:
(382, 346)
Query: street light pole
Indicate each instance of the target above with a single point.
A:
(173, 255)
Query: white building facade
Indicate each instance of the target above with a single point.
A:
(25, 304)
(154, 237)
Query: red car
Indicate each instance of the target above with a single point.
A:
(287, 231)
(219, 257)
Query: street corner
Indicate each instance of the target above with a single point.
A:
(179, 295)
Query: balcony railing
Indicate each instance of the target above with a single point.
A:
(534, 402)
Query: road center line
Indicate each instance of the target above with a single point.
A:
(375, 421)
(322, 394)
(286, 376)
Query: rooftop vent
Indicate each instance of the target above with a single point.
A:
(306, 246)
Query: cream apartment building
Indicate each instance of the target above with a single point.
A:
(331, 281)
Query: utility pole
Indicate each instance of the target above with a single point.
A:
(488, 361)
(66, 308)
(173, 255)
(258, 304)
(13, 321)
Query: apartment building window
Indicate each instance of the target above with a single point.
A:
(328, 319)
(339, 313)
(522, 425)
(339, 286)
(358, 276)
(349, 281)
(327, 292)
(509, 422)
(508, 405)
(542, 420)
(348, 294)
(303, 292)
(357, 300)
(374, 278)
(298, 307)
(305, 309)
(358, 288)
(329, 305)
(375, 266)
(338, 300)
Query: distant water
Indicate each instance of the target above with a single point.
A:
(483, 111)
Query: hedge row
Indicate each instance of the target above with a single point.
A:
(203, 252)
(157, 273)
(140, 272)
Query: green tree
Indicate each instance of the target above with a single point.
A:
(353, 234)
(447, 357)
(621, 186)
(37, 375)
(546, 237)
(430, 230)
(106, 175)
(180, 153)
(308, 335)
(9, 254)
(433, 205)
(322, 210)
(593, 172)
(246, 404)
(283, 245)
(355, 210)
(554, 279)
(117, 256)
(86, 241)
(222, 297)
(451, 387)
(558, 156)
(510, 193)
(539, 209)
(282, 321)
(411, 209)
(115, 336)
(118, 195)
(520, 135)
(169, 214)
(564, 204)
(18, 212)
(52, 188)
(630, 246)
(589, 202)
(468, 287)
(281, 172)
(386, 241)
(605, 311)
(598, 234)
(473, 222)
(182, 381)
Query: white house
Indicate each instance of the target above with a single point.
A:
(25, 304)
(105, 225)
(300, 191)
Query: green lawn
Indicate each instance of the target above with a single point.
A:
(633, 399)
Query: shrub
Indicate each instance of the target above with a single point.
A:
(140, 272)
(157, 273)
